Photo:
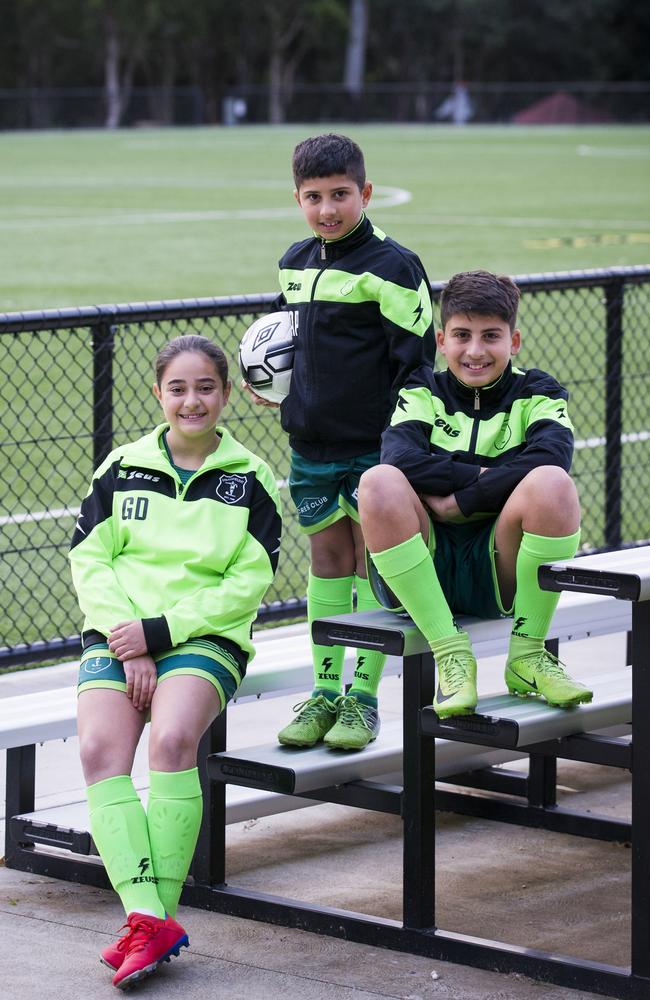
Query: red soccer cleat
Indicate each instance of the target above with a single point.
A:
(148, 942)
(113, 954)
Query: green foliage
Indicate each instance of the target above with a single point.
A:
(62, 42)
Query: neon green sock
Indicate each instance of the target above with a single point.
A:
(534, 607)
(408, 570)
(174, 815)
(370, 664)
(118, 824)
(327, 597)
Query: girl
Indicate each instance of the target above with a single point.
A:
(176, 543)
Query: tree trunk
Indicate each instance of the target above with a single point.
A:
(276, 88)
(355, 56)
(112, 72)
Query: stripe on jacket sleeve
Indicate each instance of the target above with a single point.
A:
(265, 521)
(97, 506)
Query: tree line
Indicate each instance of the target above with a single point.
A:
(217, 46)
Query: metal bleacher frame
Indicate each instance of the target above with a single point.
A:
(615, 574)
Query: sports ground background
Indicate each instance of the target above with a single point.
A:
(140, 215)
(90, 217)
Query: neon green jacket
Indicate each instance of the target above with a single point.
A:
(189, 561)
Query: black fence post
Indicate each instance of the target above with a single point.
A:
(614, 291)
(103, 351)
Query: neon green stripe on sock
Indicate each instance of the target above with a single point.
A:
(409, 571)
(174, 816)
(118, 824)
(370, 664)
(326, 597)
(533, 607)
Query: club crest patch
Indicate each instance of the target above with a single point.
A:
(97, 664)
(231, 489)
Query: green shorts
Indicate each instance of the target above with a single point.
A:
(464, 558)
(206, 657)
(324, 492)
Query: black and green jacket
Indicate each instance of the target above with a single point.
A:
(363, 322)
(442, 432)
(191, 560)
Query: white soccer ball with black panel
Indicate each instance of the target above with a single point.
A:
(266, 356)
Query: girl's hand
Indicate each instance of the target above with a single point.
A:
(141, 681)
(126, 640)
(257, 399)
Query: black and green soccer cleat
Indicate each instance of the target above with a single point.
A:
(456, 691)
(315, 718)
(357, 725)
(541, 673)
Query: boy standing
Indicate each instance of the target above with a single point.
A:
(362, 320)
(474, 496)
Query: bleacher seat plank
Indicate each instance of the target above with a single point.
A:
(624, 575)
(578, 616)
(508, 721)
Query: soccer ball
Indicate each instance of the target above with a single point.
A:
(266, 356)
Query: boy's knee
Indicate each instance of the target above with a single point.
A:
(550, 481)
(380, 486)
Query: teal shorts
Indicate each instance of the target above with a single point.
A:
(203, 657)
(324, 492)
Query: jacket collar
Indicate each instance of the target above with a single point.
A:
(490, 394)
(334, 249)
(150, 451)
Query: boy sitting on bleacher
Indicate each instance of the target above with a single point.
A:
(473, 495)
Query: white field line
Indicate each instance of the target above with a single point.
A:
(618, 152)
(598, 442)
(385, 197)
(518, 222)
(24, 223)
(56, 513)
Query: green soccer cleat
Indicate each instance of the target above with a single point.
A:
(357, 724)
(456, 692)
(316, 716)
(541, 673)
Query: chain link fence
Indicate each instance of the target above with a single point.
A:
(77, 382)
(565, 102)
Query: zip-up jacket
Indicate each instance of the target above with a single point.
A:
(363, 321)
(191, 560)
(442, 432)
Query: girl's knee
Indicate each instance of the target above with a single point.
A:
(171, 749)
(99, 759)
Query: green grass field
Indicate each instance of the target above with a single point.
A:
(94, 217)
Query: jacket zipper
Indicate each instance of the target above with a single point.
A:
(477, 421)
(311, 362)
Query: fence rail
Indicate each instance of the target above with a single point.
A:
(76, 382)
(575, 101)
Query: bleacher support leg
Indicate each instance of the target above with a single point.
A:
(418, 805)
(21, 775)
(209, 864)
(640, 789)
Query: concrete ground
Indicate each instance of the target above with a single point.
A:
(527, 887)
